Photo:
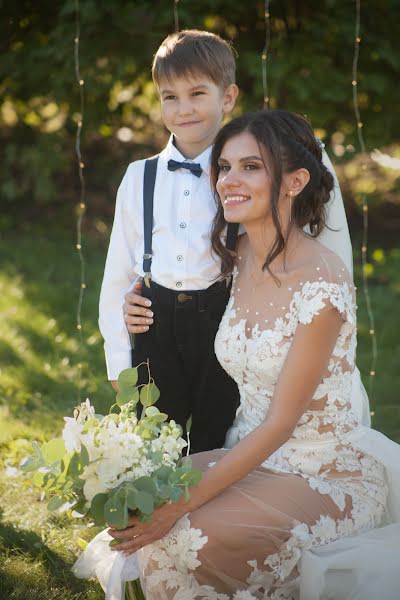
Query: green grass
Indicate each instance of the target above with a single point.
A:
(45, 369)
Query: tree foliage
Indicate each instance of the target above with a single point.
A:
(309, 70)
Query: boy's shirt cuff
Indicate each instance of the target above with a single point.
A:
(117, 362)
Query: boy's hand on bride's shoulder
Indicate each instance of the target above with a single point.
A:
(138, 315)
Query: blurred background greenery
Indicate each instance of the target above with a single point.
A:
(45, 367)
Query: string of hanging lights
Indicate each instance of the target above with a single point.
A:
(364, 202)
(81, 207)
(264, 55)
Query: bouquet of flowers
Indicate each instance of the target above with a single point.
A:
(107, 467)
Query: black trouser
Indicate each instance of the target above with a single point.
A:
(180, 348)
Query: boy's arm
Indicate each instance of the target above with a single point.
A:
(118, 277)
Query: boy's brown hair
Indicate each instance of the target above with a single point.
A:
(190, 52)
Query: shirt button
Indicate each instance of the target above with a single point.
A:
(186, 192)
(178, 284)
(182, 225)
(179, 257)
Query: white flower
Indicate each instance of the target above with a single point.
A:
(243, 595)
(92, 487)
(84, 412)
(108, 471)
(72, 434)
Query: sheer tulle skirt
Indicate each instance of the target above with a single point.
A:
(245, 543)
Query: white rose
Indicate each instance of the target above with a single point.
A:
(108, 471)
(92, 487)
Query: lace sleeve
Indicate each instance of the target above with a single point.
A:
(318, 296)
(332, 289)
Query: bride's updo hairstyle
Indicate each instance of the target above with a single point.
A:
(287, 143)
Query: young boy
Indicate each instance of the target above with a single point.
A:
(194, 72)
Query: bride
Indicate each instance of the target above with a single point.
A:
(304, 472)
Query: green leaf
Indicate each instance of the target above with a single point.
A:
(146, 484)
(128, 378)
(192, 478)
(56, 502)
(176, 494)
(124, 396)
(116, 512)
(74, 467)
(131, 498)
(38, 479)
(152, 411)
(165, 491)
(84, 456)
(145, 502)
(114, 542)
(189, 424)
(97, 508)
(54, 450)
(149, 394)
(162, 473)
(35, 461)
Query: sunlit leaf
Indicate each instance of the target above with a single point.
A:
(54, 450)
(55, 503)
(128, 378)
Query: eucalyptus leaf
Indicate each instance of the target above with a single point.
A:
(55, 503)
(131, 498)
(54, 450)
(145, 502)
(146, 484)
(149, 394)
(151, 411)
(116, 512)
(128, 378)
(176, 494)
(97, 508)
(38, 479)
(162, 473)
(84, 456)
(124, 396)
(165, 491)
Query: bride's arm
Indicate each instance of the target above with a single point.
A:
(301, 374)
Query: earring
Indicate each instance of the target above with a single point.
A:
(290, 201)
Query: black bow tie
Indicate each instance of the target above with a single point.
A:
(194, 168)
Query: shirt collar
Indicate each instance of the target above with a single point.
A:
(203, 159)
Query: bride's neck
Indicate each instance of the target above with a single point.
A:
(261, 238)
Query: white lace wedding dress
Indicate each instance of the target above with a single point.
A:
(303, 524)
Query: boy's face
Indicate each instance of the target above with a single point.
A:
(192, 109)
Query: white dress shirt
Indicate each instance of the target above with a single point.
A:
(184, 208)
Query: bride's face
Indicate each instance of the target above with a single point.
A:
(243, 184)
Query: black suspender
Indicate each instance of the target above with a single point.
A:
(149, 179)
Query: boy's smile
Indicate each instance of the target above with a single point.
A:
(192, 109)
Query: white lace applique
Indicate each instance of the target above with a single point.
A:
(319, 450)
